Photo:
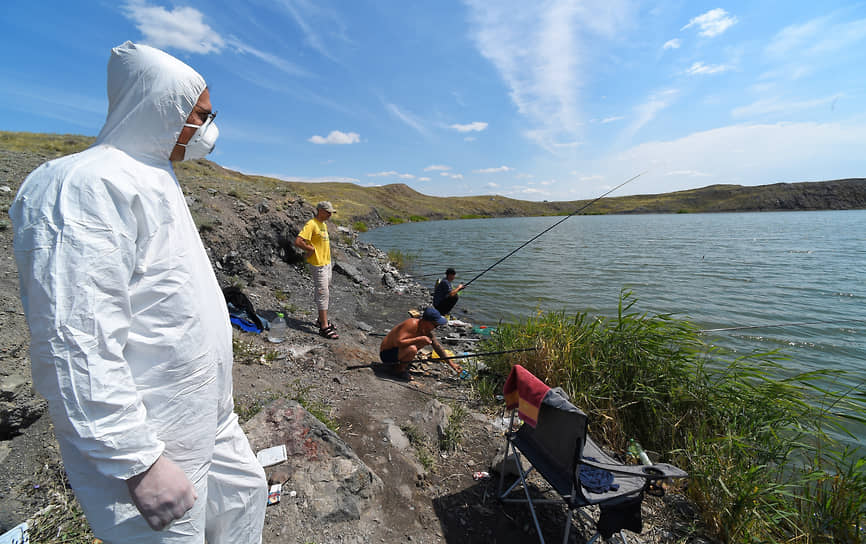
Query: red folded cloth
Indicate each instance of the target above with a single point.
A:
(525, 392)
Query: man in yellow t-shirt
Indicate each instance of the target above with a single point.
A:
(313, 239)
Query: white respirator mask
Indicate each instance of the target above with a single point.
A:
(203, 141)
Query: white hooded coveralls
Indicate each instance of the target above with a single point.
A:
(130, 337)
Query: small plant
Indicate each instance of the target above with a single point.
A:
(317, 409)
(417, 218)
(281, 295)
(401, 260)
(422, 447)
(452, 436)
(360, 226)
(63, 520)
(247, 410)
(392, 220)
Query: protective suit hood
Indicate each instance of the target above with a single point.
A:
(150, 96)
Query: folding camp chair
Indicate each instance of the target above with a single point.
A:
(558, 449)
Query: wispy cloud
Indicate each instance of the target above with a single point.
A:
(424, 178)
(816, 38)
(672, 44)
(182, 28)
(493, 170)
(305, 13)
(770, 106)
(450, 175)
(336, 137)
(391, 174)
(538, 50)
(646, 112)
(612, 119)
(276, 61)
(712, 23)
(477, 126)
(406, 117)
(434, 167)
(700, 68)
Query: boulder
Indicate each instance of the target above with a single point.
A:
(321, 468)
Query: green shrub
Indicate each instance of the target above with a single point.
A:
(417, 218)
(392, 220)
(360, 226)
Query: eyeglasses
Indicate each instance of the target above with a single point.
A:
(208, 120)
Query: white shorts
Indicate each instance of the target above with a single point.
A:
(322, 285)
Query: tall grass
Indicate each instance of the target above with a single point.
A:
(402, 260)
(761, 444)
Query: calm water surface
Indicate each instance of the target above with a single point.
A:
(716, 270)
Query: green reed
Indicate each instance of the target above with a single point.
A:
(760, 442)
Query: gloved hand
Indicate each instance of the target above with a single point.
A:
(162, 493)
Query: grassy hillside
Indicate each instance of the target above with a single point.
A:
(397, 202)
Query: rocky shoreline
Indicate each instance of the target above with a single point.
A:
(385, 461)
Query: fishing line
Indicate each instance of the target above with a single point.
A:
(485, 353)
(776, 325)
(548, 229)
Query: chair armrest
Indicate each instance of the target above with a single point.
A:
(657, 471)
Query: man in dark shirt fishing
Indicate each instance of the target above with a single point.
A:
(401, 344)
(444, 296)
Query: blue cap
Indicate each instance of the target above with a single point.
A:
(432, 314)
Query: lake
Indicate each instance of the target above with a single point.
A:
(771, 270)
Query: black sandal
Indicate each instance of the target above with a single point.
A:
(330, 325)
(329, 333)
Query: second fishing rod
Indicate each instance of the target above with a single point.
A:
(553, 226)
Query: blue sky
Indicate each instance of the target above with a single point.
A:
(537, 100)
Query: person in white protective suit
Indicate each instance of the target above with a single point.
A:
(131, 343)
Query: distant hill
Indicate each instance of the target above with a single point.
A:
(398, 202)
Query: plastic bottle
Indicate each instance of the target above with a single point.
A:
(636, 451)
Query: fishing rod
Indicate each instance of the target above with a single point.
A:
(373, 365)
(776, 325)
(436, 274)
(585, 206)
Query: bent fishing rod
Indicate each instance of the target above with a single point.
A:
(373, 365)
(548, 229)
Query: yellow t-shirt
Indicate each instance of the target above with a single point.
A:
(316, 232)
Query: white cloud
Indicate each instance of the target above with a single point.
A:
(746, 154)
(477, 126)
(493, 170)
(539, 50)
(594, 177)
(492, 184)
(406, 117)
(647, 111)
(390, 174)
(817, 38)
(712, 23)
(305, 14)
(183, 28)
(433, 167)
(450, 175)
(672, 44)
(469, 139)
(701, 68)
(611, 119)
(276, 61)
(336, 137)
(424, 179)
(770, 106)
(688, 173)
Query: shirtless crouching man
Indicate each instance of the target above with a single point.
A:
(401, 345)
